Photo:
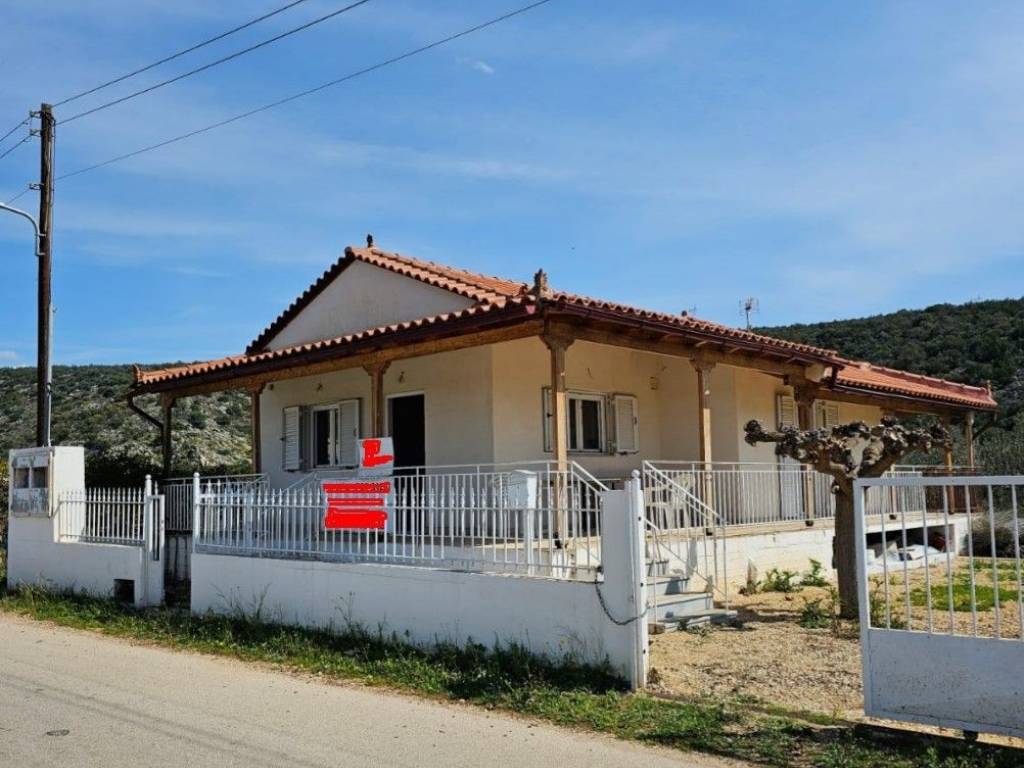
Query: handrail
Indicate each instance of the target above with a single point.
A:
(710, 521)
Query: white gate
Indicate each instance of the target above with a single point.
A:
(942, 602)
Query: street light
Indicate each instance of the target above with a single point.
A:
(48, 388)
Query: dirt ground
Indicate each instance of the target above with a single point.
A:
(770, 658)
(774, 660)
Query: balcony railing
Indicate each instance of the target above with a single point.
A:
(772, 493)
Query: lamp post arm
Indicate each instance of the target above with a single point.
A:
(26, 215)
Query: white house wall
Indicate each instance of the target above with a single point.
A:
(457, 405)
(484, 404)
(364, 296)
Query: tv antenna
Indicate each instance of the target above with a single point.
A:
(750, 306)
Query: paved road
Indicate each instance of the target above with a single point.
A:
(73, 698)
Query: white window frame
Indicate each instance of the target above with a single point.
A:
(576, 412)
(332, 436)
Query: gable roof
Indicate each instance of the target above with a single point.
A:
(482, 289)
(498, 299)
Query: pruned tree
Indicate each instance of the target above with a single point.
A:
(847, 452)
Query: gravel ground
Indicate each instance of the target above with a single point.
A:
(773, 659)
(770, 658)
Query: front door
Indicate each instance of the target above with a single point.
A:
(408, 430)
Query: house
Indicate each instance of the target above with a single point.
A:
(467, 369)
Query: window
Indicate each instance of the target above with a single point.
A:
(321, 436)
(588, 426)
(586, 422)
(325, 424)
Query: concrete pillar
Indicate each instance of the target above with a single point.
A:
(623, 595)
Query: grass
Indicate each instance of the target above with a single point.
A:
(569, 694)
(984, 589)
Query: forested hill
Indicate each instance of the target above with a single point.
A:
(89, 408)
(972, 343)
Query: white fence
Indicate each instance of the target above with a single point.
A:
(179, 499)
(540, 522)
(943, 634)
(769, 493)
(105, 515)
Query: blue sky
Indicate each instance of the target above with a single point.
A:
(831, 159)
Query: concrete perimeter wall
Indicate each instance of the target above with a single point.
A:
(425, 606)
(36, 557)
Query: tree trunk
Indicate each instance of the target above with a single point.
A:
(844, 553)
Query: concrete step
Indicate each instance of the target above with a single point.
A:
(712, 617)
(670, 584)
(674, 607)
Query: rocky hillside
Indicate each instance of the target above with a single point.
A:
(89, 408)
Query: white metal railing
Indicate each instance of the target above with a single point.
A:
(684, 530)
(769, 493)
(543, 522)
(103, 515)
(177, 492)
(921, 575)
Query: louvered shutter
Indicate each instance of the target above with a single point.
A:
(348, 433)
(627, 423)
(785, 411)
(291, 436)
(829, 414)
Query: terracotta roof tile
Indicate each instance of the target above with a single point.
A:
(242, 361)
(863, 375)
(495, 294)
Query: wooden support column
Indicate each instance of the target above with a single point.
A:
(558, 345)
(804, 398)
(947, 422)
(255, 433)
(167, 412)
(704, 369)
(969, 438)
(376, 372)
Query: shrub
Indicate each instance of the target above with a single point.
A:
(815, 577)
(981, 537)
(779, 581)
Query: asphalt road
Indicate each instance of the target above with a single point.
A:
(74, 698)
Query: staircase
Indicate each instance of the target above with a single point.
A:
(685, 573)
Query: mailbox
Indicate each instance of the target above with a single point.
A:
(39, 475)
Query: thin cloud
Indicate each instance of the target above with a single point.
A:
(484, 67)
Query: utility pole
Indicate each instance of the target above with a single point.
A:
(44, 373)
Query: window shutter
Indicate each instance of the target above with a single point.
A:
(291, 454)
(627, 426)
(831, 413)
(348, 433)
(546, 417)
(785, 411)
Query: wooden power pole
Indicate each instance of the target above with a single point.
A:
(44, 383)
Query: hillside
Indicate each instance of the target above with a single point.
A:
(973, 343)
(211, 433)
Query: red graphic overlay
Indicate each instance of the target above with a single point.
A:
(372, 455)
(357, 505)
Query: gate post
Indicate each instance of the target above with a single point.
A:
(196, 499)
(623, 591)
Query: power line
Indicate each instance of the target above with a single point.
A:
(4, 137)
(212, 64)
(324, 86)
(13, 147)
(180, 53)
(23, 192)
